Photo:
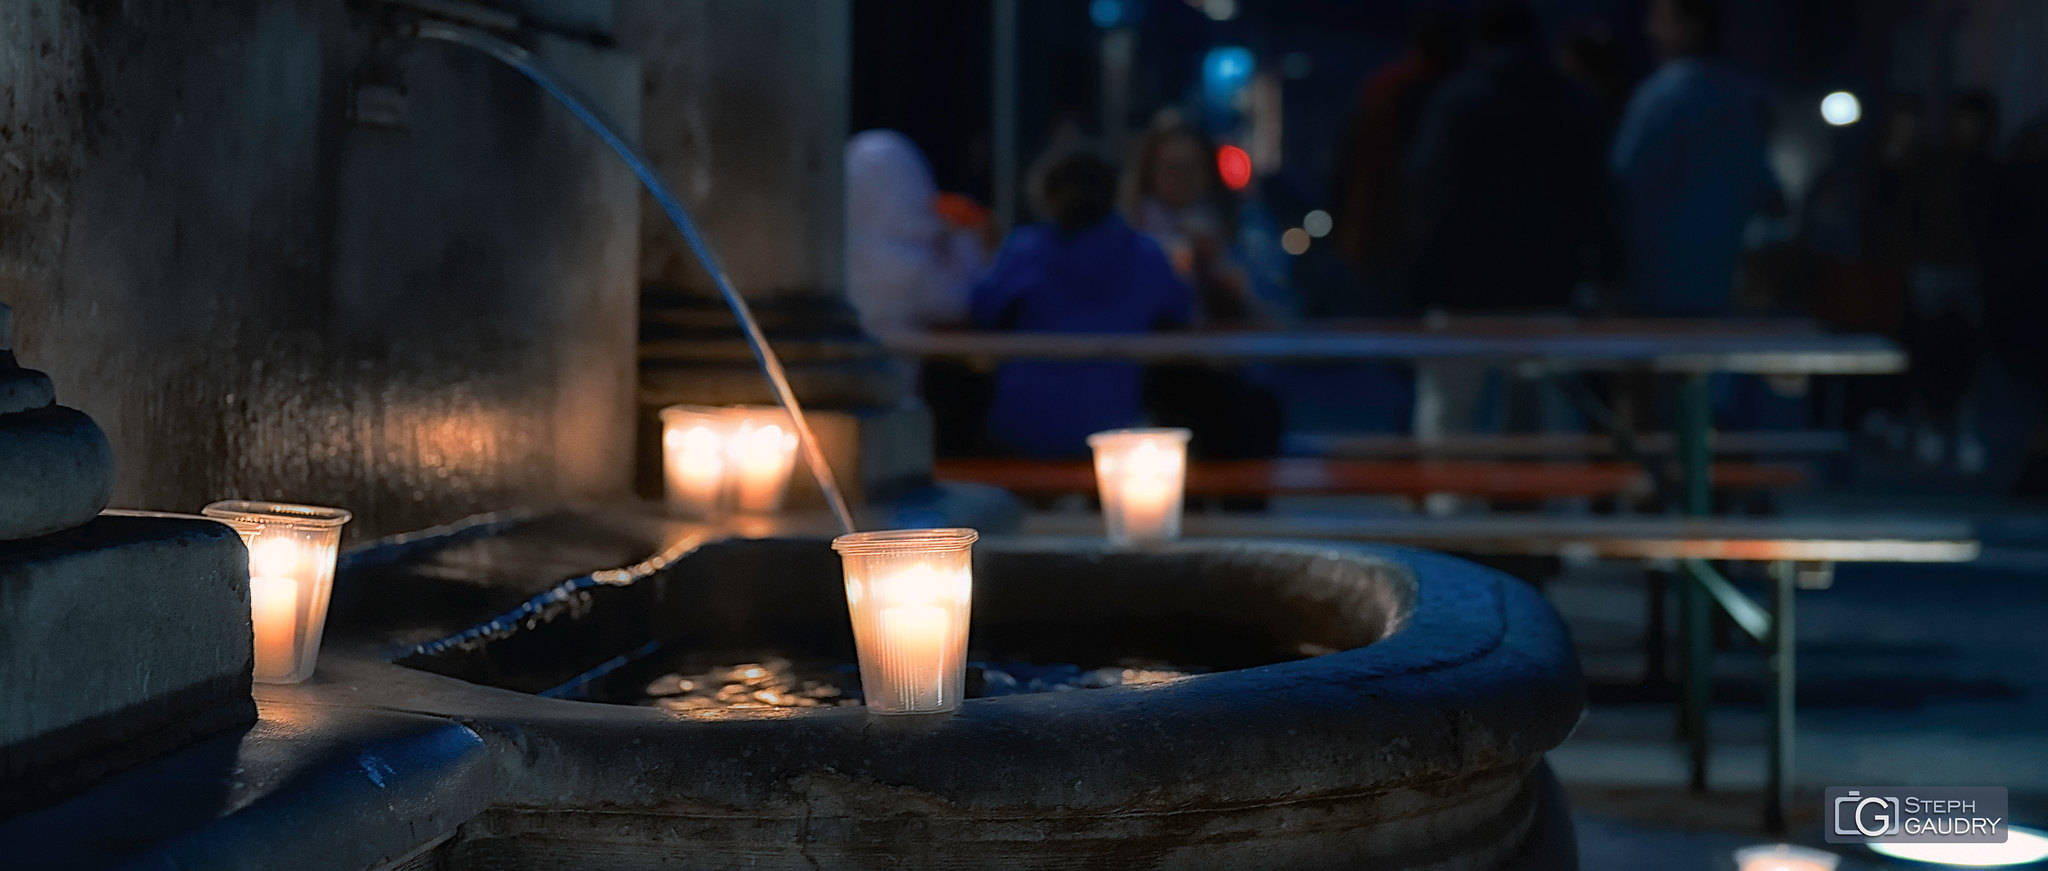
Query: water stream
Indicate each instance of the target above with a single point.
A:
(523, 61)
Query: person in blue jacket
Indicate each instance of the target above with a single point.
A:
(1082, 271)
(1691, 164)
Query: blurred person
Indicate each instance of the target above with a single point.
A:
(1857, 221)
(1898, 155)
(2016, 279)
(1593, 58)
(1370, 228)
(1690, 166)
(909, 265)
(1944, 331)
(1504, 177)
(2016, 287)
(1175, 194)
(1083, 270)
(1504, 185)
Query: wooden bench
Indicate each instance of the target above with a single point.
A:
(1801, 554)
(1493, 479)
(1559, 445)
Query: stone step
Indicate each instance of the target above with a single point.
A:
(123, 639)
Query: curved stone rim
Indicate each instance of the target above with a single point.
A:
(1481, 678)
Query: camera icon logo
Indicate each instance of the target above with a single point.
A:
(1869, 816)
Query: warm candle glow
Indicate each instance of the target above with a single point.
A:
(909, 593)
(1784, 857)
(913, 649)
(763, 453)
(291, 572)
(1141, 475)
(721, 460)
(274, 610)
(693, 458)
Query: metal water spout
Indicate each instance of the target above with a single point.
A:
(523, 62)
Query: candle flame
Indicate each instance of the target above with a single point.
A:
(921, 584)
(274, 558)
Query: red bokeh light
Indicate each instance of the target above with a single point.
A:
(1235, 166)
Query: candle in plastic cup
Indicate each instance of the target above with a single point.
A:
(291, 573)
(694, 447)
(1784, 857)
(761, 455)
(1141, 475)
(909, 593)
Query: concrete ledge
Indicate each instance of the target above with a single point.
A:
(119, 641)
(309, 786)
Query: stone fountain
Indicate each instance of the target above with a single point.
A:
(1378, 708)
(1360, 707)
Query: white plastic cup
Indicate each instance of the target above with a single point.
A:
(292, 549)
(1141, 475)
(910, 593)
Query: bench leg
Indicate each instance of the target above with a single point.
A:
(1696, 634)
(1656, 671)
(1695, 614)
(1784, 681)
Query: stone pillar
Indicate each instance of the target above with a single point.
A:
(120, 637)
(744, 111)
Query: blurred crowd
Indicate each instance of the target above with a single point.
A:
(1155, 247)
(1485, 170)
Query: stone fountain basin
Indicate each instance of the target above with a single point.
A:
(1418, 744)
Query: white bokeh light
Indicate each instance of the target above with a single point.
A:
(1840, 108)
(1317, 223)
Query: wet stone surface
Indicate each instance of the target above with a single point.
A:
(699, 682)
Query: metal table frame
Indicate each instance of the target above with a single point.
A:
(1773, 624)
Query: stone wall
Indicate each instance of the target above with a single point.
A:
(257, 297)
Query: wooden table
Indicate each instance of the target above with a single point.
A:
(1752, 539)
(1700, 347)
(1296, 476)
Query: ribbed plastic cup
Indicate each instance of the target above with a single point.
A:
(291, 573)
(910, 593)
(1141, 475)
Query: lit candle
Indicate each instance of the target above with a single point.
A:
(763, 454)
(1785, 857)
(274, 609)
(274, 605)
(1141, 475)
(909, 593)
(291, 572)
(693, 456)
(912, 640)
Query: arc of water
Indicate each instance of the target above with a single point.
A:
(523, 61)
